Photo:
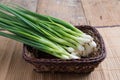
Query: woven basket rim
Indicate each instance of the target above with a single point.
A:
(98, 58)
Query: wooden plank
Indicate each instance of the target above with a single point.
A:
(18, 68)
(6, 52)
(110, 67)
(102, 12)
(29, 4)
(111, 37)
(68, 10)
(12, 65)
(112, 62)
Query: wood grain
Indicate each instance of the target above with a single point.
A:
(68, 10)
(111, 65)
(28, 4)
(6, 52)
(111, 37)
(102, 12)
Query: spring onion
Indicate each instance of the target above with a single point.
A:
(46, 33)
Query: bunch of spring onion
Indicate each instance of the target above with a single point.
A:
(48, 34)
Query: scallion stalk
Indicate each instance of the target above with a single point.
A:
(46, 33)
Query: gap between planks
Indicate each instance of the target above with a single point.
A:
(111, 26)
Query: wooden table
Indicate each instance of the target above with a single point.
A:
(102, 14)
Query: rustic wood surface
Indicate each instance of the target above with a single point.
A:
(102, 14)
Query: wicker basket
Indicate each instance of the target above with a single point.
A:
(48, 63)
